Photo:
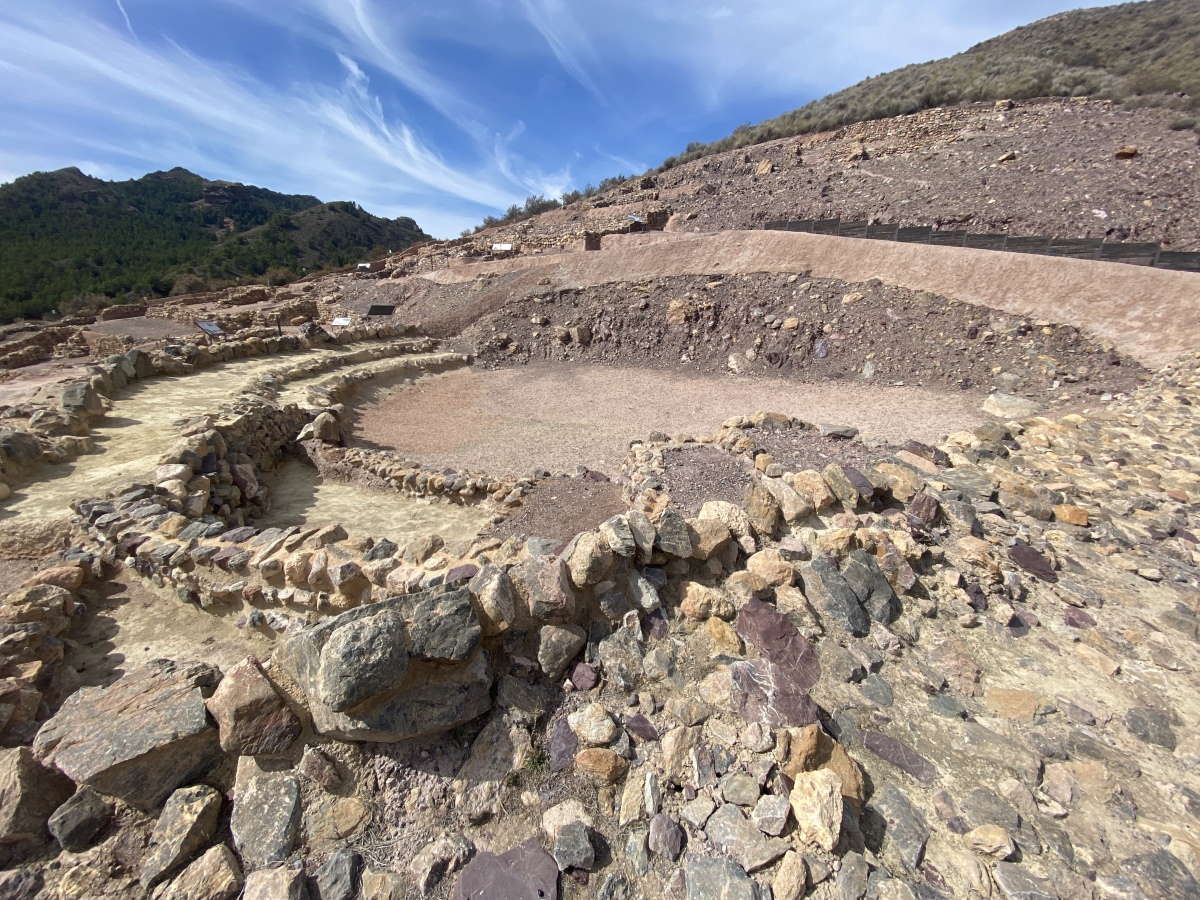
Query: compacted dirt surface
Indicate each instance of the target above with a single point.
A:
(557, 417)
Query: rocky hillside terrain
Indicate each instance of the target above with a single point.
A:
(69, 240)
(770, 657)
(1137, 54)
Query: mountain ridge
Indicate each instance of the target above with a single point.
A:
(69, 240)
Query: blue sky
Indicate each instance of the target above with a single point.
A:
(447, 111)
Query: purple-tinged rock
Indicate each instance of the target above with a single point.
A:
(584, 677)
(666, 837)
(526, 872)
(1033, 562)
(238, 535)
(641, 727)
(1077, 618)
(774, 635)
(563, 746)
(900, 755)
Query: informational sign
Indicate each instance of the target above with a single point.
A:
(381, 309)
(342, 321)
(501, 248)
(212, 329)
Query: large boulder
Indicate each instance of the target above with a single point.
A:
(20, 447)
(390, 671)
(137, 739)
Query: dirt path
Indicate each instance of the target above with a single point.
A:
(128, 625)
(559, 417)
(300, 496)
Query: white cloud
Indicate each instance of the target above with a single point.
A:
(125, 16)
(566, 39)
(335, 141)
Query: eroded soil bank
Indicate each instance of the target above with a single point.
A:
(562, 416)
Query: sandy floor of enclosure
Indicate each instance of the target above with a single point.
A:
(558, 417)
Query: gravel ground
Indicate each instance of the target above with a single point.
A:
(697, 474)
(560, 508)
(557, 417)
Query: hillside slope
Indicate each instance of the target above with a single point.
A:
(1136, 53)
(66, 235)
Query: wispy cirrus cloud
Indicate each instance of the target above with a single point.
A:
(568, 41)
(334, 140)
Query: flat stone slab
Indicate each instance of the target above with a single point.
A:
(137, 739)
(526, 872)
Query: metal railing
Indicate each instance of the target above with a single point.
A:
(1130, 253)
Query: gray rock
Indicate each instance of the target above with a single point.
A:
(354, 661)
(526, 872)
(868, 582)
(20, 447)
(185, 827)
(573, 847)
(672, 535)
(29, 793)
(824, 585)
(739, 788)
(771, 813)
(643, 533)
(1017, 883)
(712, 878)
(852, 876)
(617, 532)
(615, 887)
(641, 593)
(1151, 726)
(80, 819)
(360, 657)
(557, 646)
(443, 627)
(730, 830)
(140, 363)
(983, 806)
(637, 851)
(878, 691)
(339, 876)
(81, 397)
(621, 657)
(697, 811)
(493, 593)
(21, 884)
(1161, 876)
(551, 597)
(266, 815)
(907, 830)
(666, 837)
(137, 739)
